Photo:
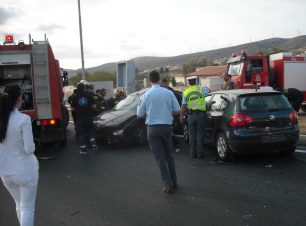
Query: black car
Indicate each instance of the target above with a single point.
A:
(121, 125)
(250, 121)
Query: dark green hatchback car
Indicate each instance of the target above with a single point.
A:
(250, 121)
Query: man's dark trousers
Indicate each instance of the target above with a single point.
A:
(160, 142)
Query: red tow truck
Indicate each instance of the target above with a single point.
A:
(281, 70)
(34, 67)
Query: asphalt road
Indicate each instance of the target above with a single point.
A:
(122, 186)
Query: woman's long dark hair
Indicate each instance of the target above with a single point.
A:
(7, 105)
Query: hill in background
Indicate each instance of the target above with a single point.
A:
(150, 63)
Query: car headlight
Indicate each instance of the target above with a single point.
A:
(118, 132)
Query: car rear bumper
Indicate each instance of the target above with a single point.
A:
(263, 143)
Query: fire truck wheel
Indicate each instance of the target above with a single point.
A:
(65, 117)
(63, 142)
(303, 107)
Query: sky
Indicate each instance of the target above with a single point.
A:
(118, 30)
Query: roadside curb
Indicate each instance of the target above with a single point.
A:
(302, 140)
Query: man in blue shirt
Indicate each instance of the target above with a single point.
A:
(159, 105)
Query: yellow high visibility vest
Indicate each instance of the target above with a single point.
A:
(195, 98)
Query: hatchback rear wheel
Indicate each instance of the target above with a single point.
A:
(223, 149)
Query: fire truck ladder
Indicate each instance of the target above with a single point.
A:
(42, 79)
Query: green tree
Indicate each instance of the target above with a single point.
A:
(93, 77)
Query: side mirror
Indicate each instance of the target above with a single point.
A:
(224, 98)
(208, 105)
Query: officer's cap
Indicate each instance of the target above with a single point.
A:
(191, 77)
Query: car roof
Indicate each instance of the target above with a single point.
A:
(238, 92)
(142, 91)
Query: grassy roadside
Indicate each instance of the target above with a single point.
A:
(302, 124)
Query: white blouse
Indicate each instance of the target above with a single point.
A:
(16, 151)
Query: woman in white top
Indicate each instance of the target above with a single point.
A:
(18, 164)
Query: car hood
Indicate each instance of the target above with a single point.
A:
(114, 118)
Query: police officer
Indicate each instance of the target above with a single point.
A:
(193, 103)
(70, 98)
(83, 105)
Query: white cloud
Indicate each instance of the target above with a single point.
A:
(115, 30)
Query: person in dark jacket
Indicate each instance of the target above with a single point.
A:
(75, 91)
(83, 105)
(295, 97)
(176, 142)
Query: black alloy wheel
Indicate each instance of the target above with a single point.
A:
(223, 149)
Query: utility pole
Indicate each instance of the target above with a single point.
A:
(81, 41)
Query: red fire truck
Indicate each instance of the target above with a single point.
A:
(281, 70)
(38, 73)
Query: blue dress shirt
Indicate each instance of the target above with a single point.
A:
(158, 104)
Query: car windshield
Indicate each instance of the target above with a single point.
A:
(129, 103)
(264, 102)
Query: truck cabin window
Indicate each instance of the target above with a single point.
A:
(235, 68)
(254, 66)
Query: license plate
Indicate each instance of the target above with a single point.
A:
(273, 138)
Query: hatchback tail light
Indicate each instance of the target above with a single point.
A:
(241, 120)
(293, 117)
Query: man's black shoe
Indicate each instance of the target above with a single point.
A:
(168, 190)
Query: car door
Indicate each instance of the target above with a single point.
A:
(214, 115)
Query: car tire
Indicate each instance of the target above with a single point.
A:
(222, 147)
(140, 135)
(186, 135)
(63, 142)
(101, 141)
(287, 151)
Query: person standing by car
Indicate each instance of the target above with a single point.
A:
(73, 114)
(159, 105)
(176, 142)
(83, 105)
(18, 164)
(228, 84)
(104, 103)
(295, 97)
(193, 103)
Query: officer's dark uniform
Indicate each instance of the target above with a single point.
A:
(82, 103)
(70, 102)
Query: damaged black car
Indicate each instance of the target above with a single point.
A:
(121, 126)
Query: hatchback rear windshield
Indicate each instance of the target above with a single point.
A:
(263, 102)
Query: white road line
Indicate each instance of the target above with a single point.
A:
(71, 122)
(300, 151)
